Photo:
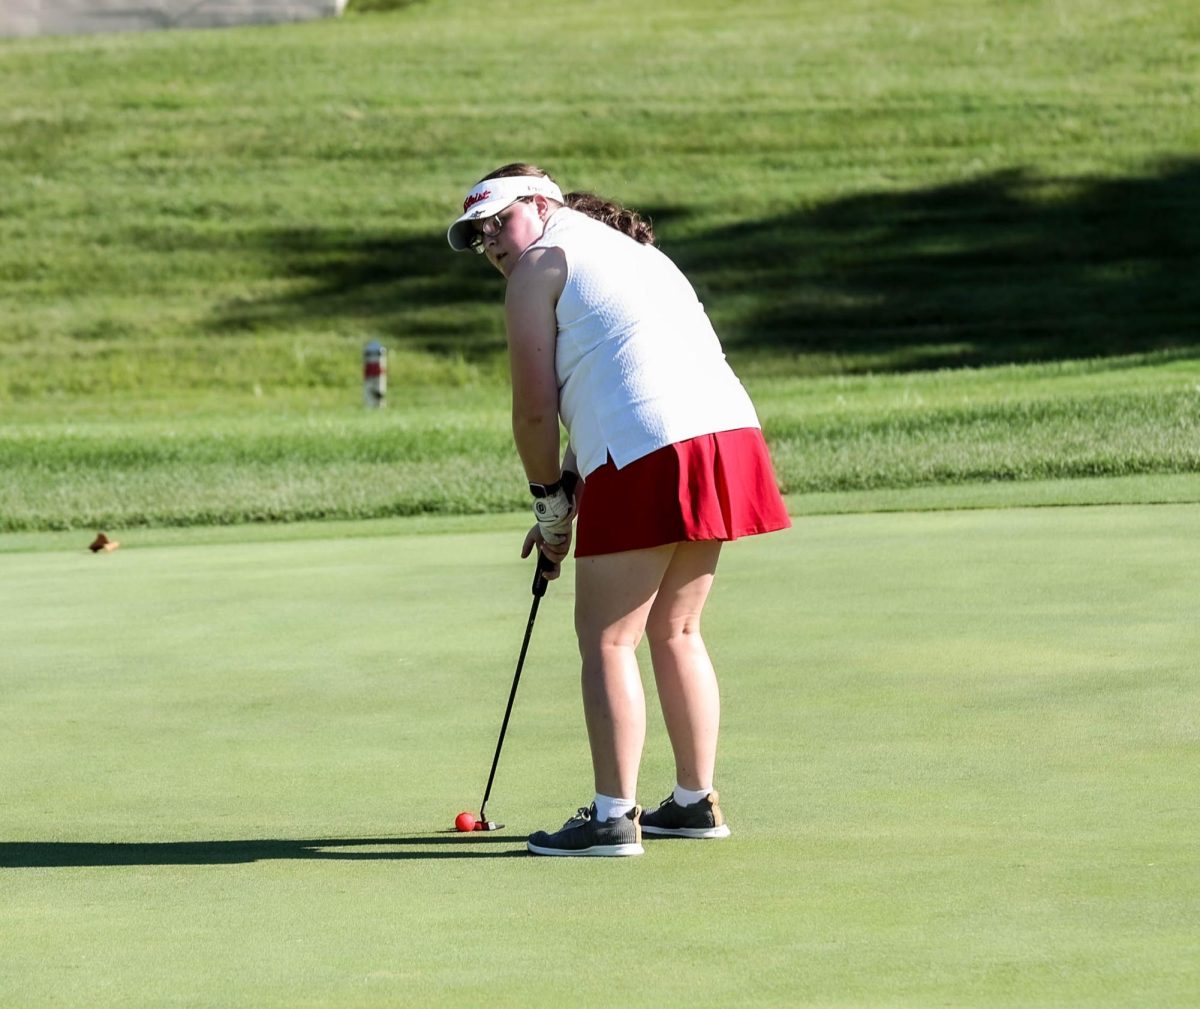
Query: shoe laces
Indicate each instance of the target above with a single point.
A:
(582, 815)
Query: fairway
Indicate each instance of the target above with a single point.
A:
(959, 759)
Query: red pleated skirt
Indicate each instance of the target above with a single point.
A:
(715, 487)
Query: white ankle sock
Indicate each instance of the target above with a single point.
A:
(608, 806)
(686, 797)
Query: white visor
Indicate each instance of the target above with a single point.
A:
(490, 197)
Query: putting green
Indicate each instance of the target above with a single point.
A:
(959, 758)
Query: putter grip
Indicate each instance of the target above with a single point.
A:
(539, 583)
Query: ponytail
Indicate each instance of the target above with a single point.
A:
(628, 222)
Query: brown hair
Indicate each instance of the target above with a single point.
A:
(628, 222)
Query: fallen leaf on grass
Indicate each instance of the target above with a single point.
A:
(102, 542)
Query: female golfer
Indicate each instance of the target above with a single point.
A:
(665, 461)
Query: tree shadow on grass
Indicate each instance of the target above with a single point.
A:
(1009, 267)
(411, 291)
(80, 854)
(1006, 268)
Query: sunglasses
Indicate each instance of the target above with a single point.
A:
(490, 227)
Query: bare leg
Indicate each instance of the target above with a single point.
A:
(687, 684)
(614, 596)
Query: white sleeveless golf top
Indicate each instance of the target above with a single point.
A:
(639, 366)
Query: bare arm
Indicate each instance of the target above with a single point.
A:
(533, 291)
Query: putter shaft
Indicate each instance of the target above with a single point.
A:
(539, 590)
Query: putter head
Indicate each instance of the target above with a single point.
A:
(488, 825)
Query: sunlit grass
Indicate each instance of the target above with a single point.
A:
(213, 461)
(199, 231)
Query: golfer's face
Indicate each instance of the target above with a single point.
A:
(507, 235)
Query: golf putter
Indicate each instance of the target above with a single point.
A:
(539, 590)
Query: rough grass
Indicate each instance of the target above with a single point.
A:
(893, 186)
(452, 454)
(940, 245)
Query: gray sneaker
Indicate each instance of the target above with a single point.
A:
(700, 819)
(583, 834)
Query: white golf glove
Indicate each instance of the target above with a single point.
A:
(554, 509)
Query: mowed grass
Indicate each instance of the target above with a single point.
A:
(959, 757)
(941, 246)
(891, 185)
(953, 254)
